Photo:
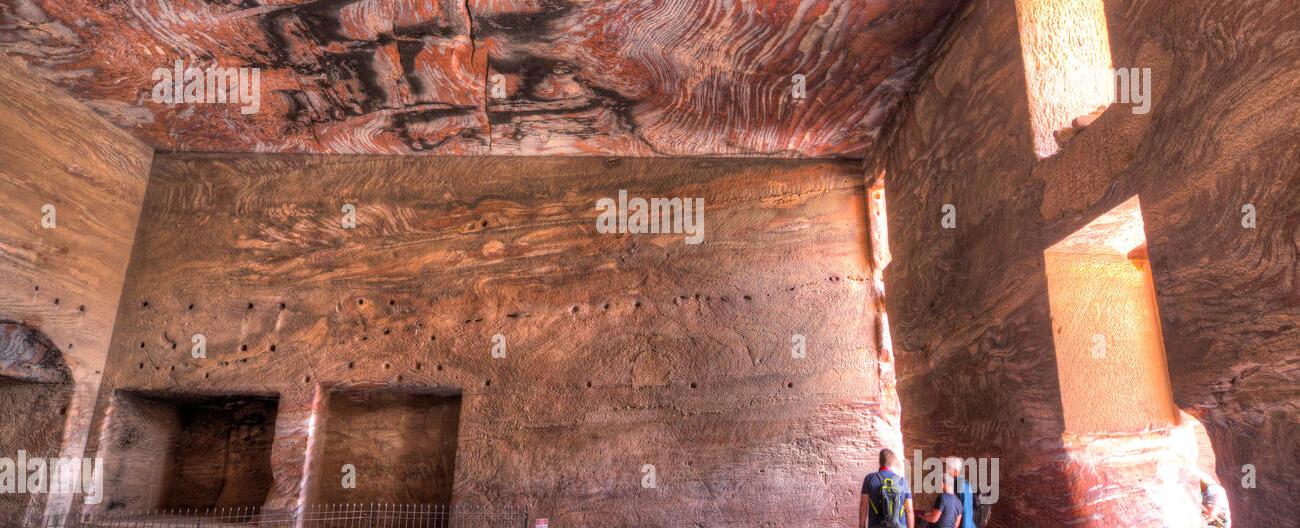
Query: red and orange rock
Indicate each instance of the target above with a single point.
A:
(397, 76)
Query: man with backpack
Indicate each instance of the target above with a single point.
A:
(886, 497)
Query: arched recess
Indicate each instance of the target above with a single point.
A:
(35, 390)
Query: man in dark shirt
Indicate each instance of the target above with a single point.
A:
(947, 511)
(886, 497)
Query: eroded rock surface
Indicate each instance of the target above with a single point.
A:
(619, 77)
(28, 355)
(35, 389)
(70, 188)
(621, 350)
(970, 306)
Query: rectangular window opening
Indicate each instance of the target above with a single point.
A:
(1068, 71)
(1106, 327)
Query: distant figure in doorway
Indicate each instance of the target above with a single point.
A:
(1214, 503)
(886, 497)
(947, 510)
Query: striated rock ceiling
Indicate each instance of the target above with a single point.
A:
(553, 77)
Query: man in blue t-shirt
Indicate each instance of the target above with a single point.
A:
(967, 496)
(947, 511)
(886, 497)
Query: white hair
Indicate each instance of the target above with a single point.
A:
(952, 465)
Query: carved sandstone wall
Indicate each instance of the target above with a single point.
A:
(63, 281)
(969, 306)
(621, 350)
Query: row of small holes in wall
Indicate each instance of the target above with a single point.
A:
(573, 309)
(250, 306)
(694, 385)
(350, 365)
(392, 302)
(58, 302)
(420, 366)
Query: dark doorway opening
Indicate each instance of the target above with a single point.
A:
(399, 445)
(189, 451)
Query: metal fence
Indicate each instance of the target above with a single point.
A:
(373, 515)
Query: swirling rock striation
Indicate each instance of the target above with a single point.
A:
(670, 77)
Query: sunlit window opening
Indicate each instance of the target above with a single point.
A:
(1109, 351)
(879, 227)
(1068, 70)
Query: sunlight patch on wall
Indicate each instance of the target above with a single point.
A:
(1068, 71)
(1106, 328)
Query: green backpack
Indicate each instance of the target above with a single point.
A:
(892, 495)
